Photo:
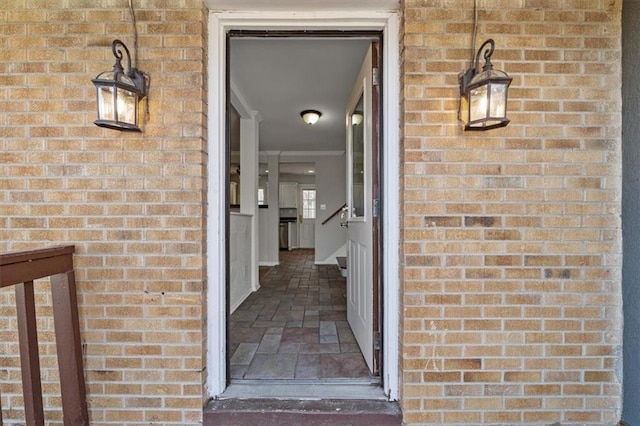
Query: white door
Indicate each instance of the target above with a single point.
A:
(359, 223)
(307, 213)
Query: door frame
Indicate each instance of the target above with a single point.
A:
(216, 310)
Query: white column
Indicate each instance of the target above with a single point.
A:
(249, 135)
(273, 163)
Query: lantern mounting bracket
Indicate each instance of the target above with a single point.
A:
(465, 77)
(139, 80)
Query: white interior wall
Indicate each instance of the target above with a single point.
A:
(331, 192)
(240, 233)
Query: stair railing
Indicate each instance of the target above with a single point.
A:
(20, 269)
(334, 214)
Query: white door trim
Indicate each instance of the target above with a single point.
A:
(219, 24)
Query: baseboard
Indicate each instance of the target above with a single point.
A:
(240, 300)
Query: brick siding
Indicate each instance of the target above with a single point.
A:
(511, 237)
(131, 203)
(511, 247)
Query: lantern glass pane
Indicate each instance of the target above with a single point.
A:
(478, 103)
(498, 100)
(106, 101)
(127, 106)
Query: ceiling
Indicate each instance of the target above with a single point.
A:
(280, 77)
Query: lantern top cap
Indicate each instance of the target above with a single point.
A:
(114, 77)
(489, 75)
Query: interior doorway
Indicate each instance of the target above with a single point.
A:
(295, 326)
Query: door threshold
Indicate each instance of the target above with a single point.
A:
(334, 412)
(361, 389)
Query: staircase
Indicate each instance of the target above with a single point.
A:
(342, 264)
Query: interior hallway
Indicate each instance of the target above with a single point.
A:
(295, 326)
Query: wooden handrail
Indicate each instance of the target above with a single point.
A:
(334, 214)
(20, 269)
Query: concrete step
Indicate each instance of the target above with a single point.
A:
(301, 412)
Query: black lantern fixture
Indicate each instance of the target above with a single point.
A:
(484, 94)
(119, 93)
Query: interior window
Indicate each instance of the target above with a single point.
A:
(308, 203)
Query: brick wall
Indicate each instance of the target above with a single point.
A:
(131, 203)
(511, 238)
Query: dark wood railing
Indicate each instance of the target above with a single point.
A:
(334, 214)
(19, 270)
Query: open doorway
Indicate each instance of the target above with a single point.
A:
(295, 326)
(368, 16)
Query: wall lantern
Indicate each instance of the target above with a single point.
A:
(310, 116)
(484, 94)
(119, 93)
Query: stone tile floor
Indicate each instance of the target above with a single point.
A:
(295, 326)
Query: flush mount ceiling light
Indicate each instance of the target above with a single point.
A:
(310, 116)
(484, 94)
(120, 92)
